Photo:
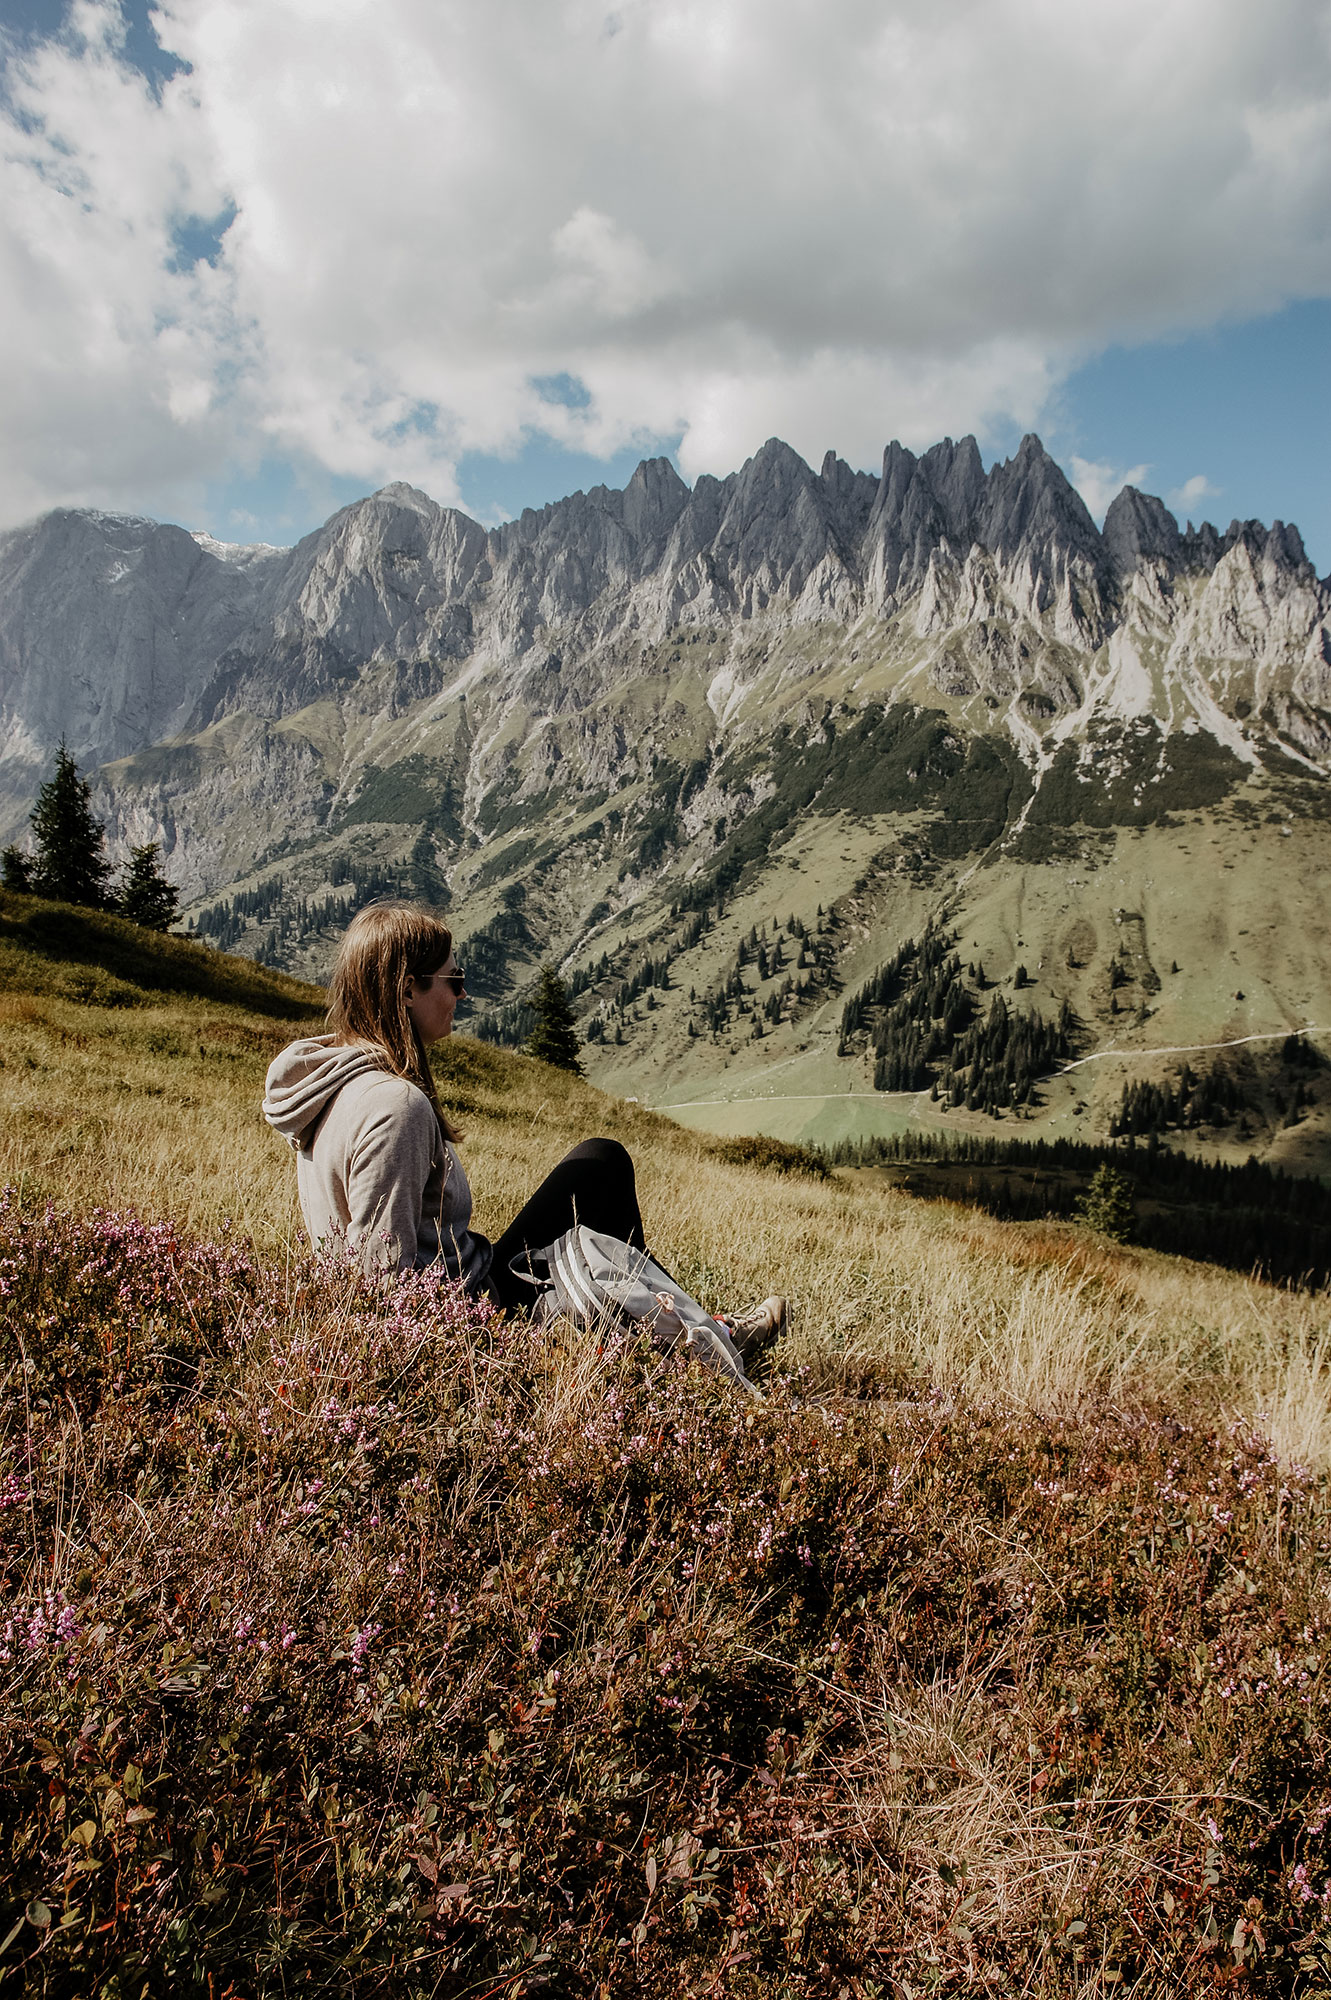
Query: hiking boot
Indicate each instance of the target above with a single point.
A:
(755, 1331)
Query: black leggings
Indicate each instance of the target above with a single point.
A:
(593, 1185)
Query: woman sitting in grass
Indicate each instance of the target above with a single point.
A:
(377, 1165)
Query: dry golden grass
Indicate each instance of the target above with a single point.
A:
(157, 1108)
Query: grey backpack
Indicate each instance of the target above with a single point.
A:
(600, 1280)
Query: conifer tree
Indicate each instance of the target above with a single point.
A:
(16, 870)
(145, 896)
(71, 864)
(554, 1039)
(1107, 1204)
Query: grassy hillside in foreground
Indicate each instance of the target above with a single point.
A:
(363, 1644)
(156, 1106)
(92, 957)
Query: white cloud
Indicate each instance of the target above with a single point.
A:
(1098, 483)
(834, 220)
(1186, 496)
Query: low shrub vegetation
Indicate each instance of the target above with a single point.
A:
(366, 1641)
(776, 1156)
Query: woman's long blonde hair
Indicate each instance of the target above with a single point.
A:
(367, 994)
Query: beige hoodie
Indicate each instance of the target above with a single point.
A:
(373, 1169)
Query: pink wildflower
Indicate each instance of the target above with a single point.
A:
(362, 1642)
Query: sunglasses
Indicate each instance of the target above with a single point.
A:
(457, 979)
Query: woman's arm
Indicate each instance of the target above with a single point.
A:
(388, 1168)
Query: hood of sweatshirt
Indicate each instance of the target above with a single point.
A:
(304, 1079)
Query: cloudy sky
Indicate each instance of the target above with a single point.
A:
(260, 256)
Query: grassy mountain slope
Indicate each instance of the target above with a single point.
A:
(360, 1642)
(885, 818)
(1212, 922)
(1213, 926)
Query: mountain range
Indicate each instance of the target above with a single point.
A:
(642, 732)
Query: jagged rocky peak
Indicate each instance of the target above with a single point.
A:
(1280, 545)
(1140, 529)
(920, 505)
(1030, 506)
(118, 632)
(849, 494)
(653, 500)
(764, 531)
(1023, 511)
(384, 535)
(400, 493)
(955, 475)
(74, 545)
(552, 562)
(373, 577)
(766, 487)
(397, 517)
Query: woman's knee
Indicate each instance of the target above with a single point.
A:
(606, 1152)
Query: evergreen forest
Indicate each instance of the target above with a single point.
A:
(1246, 1216)
(920, 1016)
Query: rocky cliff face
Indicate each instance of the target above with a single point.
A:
(109, 626)
(245, 698)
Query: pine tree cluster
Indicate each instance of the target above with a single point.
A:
(1213, 1098)
(509, 1026)
(997, 1063)
(224, 923)
(788, 960)
(1227, 1090)
(488, 952)
(295, 922)
(919, 1014)
(790, 957)
(69, 865)
(652, 972)
(588, 976)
